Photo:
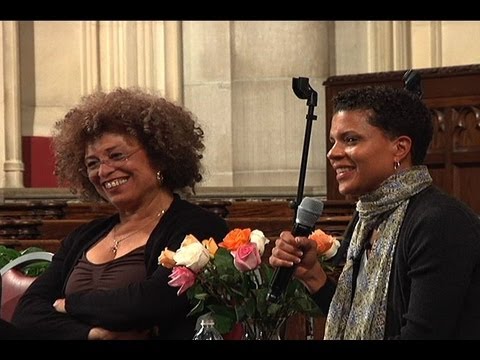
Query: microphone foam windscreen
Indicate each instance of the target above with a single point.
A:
(309, 211)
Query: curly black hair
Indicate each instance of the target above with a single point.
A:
(171, 136)
(395, 111)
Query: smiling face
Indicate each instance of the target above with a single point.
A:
(118, 167)
(362, 155)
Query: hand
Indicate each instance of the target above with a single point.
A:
(59, 305)
(98, 333)
(302, 252)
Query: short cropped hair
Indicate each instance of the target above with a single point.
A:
(395, 111)
(171, 136)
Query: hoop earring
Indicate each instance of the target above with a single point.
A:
(159, 177)
(396, 165)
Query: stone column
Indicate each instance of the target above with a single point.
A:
(389, 45)
(173, 61)
(89, 69)
(436, 43)
(13, 166)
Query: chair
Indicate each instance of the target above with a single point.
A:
(14, 282)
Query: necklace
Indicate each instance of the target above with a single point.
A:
(116, 242)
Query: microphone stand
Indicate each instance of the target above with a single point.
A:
(413, 82)
(303, 90)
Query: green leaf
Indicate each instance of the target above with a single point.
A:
(262, 304)
(223, 261)
(195, 290)
(7, 255)
(35, 269)
(240, 312)
(274, 309)
(224, 318)
(269, 271)
(201, 296)
(250, 307)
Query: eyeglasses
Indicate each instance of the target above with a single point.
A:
(115, 159)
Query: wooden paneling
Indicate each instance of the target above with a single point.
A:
(33, 210)
(50, 220)
(51, 245)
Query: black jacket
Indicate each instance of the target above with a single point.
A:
(434, 287)
(137, 306)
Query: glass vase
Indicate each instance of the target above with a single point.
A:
(255, 329)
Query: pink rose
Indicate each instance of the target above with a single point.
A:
(181, 277)
(246, 257)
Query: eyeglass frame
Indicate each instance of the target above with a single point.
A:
(88, 170)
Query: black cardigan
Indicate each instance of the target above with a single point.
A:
(137, 306)
(434, 287)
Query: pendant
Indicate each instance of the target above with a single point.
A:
(115, 247)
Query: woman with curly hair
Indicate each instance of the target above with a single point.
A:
(136, 151)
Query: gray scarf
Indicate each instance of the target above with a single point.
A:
(384, 208)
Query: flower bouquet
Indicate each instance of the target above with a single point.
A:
(231, 281)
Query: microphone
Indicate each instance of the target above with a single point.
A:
(308, 213)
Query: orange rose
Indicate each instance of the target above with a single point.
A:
(211, 246)
(327, 245)
(236, 238)
(166, 259)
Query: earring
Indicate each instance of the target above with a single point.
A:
(160, 177)
(396, 165)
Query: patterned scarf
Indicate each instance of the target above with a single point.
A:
(384, 208)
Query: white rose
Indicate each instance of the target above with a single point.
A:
(194, 256)
(257, 237)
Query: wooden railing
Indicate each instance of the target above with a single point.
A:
(46, 223)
